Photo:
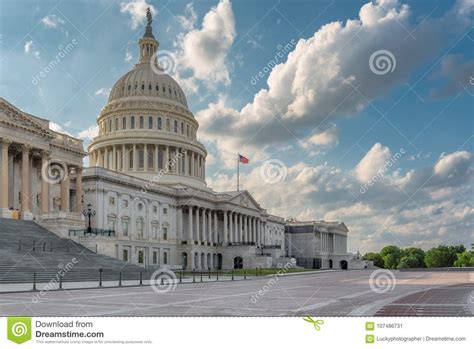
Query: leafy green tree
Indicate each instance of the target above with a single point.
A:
(465, 259)
(441, 256)
(408, 262)
(416, 252)
(376, 258)
(391, 256)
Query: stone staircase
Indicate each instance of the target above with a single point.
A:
(28, 250)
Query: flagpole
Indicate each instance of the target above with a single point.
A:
(238, 171)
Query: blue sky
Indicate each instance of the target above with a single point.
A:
(317, 127)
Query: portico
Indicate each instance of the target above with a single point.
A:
(41, 170)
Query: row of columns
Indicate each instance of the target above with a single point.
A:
(237, 227)
(172, 158)
(332, 242)
(26, 200)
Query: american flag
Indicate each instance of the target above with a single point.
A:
(243, 159)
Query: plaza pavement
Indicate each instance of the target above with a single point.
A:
(342, 293)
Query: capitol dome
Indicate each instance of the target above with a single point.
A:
(144, 81)
(146, 129)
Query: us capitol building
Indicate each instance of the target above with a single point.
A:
(146, 185)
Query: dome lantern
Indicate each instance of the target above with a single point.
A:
(148, 44)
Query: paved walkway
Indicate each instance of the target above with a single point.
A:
(346, 293)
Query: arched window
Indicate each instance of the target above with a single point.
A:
(168, 125)
(139, 224)
(159, 123)
(124, 123)
(132, 122)
(116, 124)
(175, 126)
(142, 123)
(110, 125)
(182, 127)
(150, 122)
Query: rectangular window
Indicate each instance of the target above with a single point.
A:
(125, 203)
(141, 122)
(155, 257)
(150, 122)
(155, 209)
(111, 201)
(132, 122)
(140, 257)
(165, 233)
(165, 210)
(125, 255)
(165, 257)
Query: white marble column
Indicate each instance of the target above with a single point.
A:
(124, 158)
(4, 167)
(209, 226)
(166, 159)
(241, 228)
(225, 227)
(114, 158)
(79, 190)
(235, 237)
(190, 225)
(216, 237)
(134, 156)
(65, 186)
(25, 179)
(231, 228)
(198, 230)
(204, 234)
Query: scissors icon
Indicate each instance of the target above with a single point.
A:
(316, 323)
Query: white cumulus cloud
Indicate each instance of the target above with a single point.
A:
(137, 11)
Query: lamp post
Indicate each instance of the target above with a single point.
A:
(89, 213)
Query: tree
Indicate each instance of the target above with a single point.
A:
(440, 256)
(465, 259)
(408, 262)
(417, 253)
(376, 258)
(391, 256)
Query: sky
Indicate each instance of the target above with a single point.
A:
(352, 111)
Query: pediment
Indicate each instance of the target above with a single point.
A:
(246, 200)
(13, 116)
